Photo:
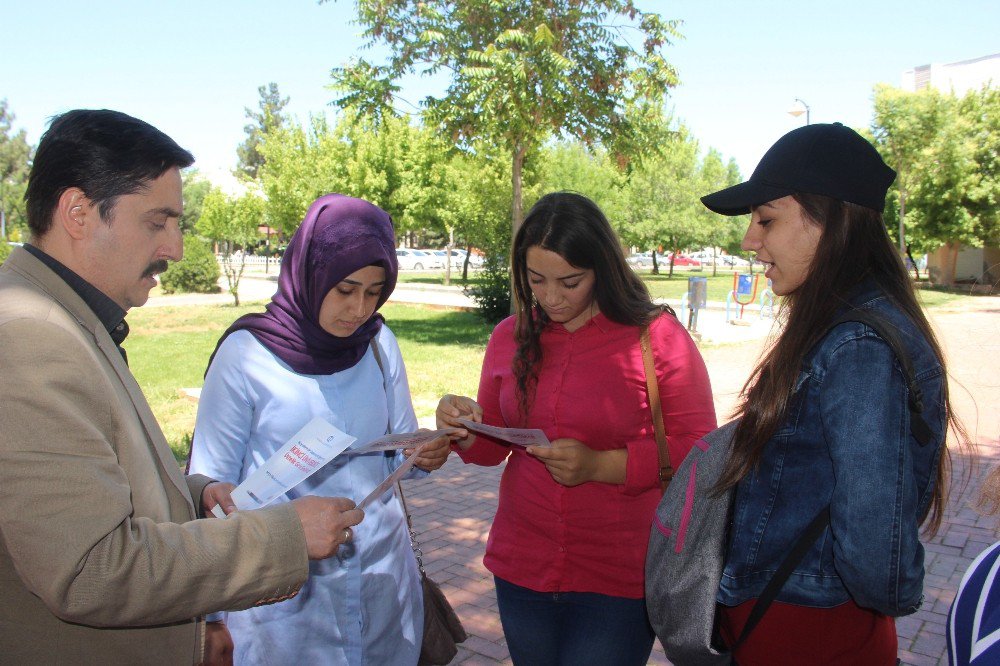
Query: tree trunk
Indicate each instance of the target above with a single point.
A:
(902, 216)
(517, 210)
(949, 261)
(447, 259)
(916, 269)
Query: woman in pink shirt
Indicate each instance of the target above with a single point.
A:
(568, 543)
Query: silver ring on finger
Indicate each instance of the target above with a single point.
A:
(348, 534)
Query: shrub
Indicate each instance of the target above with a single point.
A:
(493, 292)
(4, 250)
(197, 272)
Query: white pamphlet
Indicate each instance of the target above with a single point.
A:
(517, 436)
(309, 449)
(406, 440)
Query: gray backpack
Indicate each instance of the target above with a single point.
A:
(687, 551)
(690, 532)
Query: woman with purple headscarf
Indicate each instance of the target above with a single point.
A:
(309, 354)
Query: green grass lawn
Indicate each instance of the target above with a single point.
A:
(168, 349)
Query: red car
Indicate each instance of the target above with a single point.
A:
(682, 260)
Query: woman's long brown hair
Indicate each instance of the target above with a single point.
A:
(854, 247)
(572, 226)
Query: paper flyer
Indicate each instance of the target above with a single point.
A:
(516, 436)
(309, 449)
(407, 440)
(390, 480)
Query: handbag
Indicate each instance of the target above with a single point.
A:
(443, 631)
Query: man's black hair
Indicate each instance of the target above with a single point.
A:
(107, 154)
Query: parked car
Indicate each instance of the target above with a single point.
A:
(642, 260)
(416, 260)
(441, 256)
(735, 261)
(458, 256)
(682, 260)
(706, 257)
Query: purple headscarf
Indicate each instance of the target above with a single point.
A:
(338, 236)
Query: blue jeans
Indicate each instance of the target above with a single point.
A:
(573, 628)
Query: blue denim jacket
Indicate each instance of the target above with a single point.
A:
(845, 442)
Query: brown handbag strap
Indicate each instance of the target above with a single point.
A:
(665, 470)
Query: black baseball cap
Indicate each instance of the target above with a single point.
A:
(828, 159)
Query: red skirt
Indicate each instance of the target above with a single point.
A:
(793, 635)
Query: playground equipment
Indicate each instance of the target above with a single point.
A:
(743, 294)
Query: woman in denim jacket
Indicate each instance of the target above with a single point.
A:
(824, 416)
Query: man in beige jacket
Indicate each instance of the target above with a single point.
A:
(104, 555)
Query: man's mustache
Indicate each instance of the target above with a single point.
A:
(155, 268)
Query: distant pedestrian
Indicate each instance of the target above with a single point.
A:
(568, 545)
(826, 414)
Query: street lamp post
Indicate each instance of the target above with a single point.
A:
(798, 108)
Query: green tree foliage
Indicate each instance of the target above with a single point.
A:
(980, 109)
(195, 189)
(15, 160)
(661, 207)
(374, 163)
(301, 163)
(430, 189)
(269, 117)
(943, 150)
(520, 72)
(720, 231)
(197, 272)
(233, 225)
(479, 203)
(569, 165)
(904, 127)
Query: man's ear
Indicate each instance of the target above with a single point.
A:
(73, 211)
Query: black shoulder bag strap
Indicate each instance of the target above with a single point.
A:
(918, 428)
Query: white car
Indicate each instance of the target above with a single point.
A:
(735, 261)
(416, 260)
(642, 260)
(442, 257)
(458, 259)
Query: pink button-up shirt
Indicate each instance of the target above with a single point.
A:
(592, 387)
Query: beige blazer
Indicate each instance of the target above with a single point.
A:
(102, 557)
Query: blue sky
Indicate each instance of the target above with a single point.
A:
(190, 67)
